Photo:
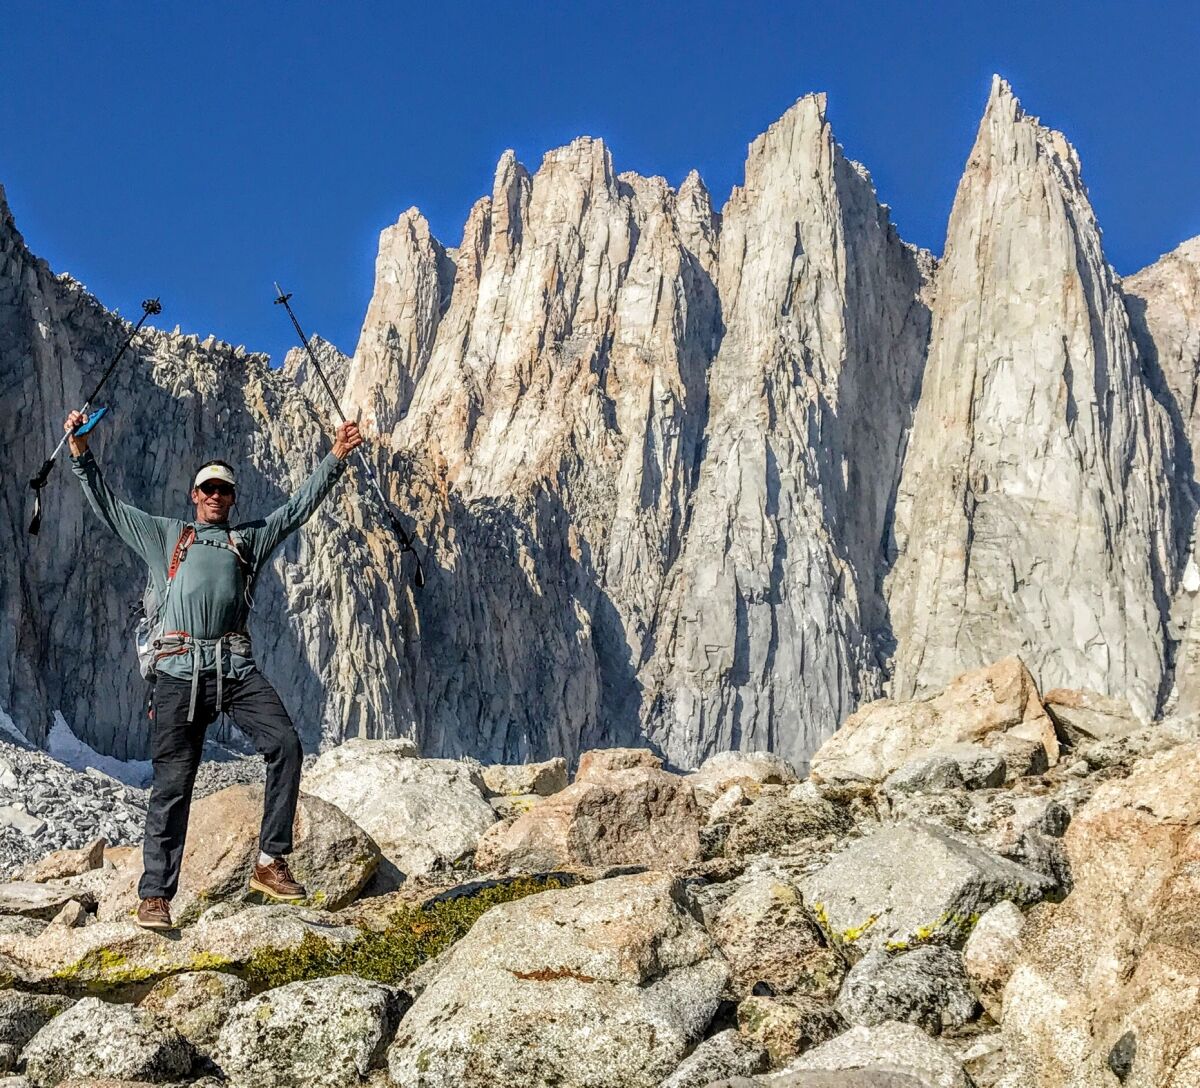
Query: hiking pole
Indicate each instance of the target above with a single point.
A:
(149, 306)
(405, 540)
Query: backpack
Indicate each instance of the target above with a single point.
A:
(150, 609)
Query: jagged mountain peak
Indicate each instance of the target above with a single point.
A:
(586, 157)
(412, 221)
(297, 368)
(1007, 133)
(7, 224)
(693, 187)
(1033, 410)
(794, 135)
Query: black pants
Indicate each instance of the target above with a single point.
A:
(176, 745)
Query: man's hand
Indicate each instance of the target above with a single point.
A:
(347, 439)
(77, 444)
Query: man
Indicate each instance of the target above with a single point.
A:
(204, 665)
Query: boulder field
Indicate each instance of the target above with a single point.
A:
(979, 887)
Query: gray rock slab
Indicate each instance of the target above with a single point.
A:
(789, 1025)
(196, 1004)
(513, 780)
(926, 986)
(913, 882)
(899, 1048)
(991, 951)
(607, 984)
(20, 820)
(767, 936)
(867, 1076)
(23, 1015)
(34, 900)
(726, 1054)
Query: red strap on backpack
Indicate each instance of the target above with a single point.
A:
(181, 547)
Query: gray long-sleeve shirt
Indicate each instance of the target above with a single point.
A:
(208, 598)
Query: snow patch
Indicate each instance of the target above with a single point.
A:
(67, 748)
(8, 726)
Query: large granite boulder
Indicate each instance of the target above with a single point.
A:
(1083, 716)
(333, 857)
(787, 1026)
(600, 762)
(768, 938)
(526, 779)
(864, 1076)
(1025, 827)
(748, 770)
(786, 821)
(34, 900)
(196, 1004)
(60, 863)
(991, 952)
(987, 706)
(893, 1047)
(424, 814)
(726, 1054)
(1108, 981)
(636, 815)
(926, 986)
(606, 985)
(913, 882)
(94, 1038)
(324, 1033)
(22, 1016)
(958, 766)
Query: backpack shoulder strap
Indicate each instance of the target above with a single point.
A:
(238, 544)
(181, 546)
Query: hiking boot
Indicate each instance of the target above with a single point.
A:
(154, 913)
(276, 881)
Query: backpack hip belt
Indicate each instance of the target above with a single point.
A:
(177, 643)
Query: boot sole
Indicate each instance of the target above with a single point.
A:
(154, 925)
(259, 887)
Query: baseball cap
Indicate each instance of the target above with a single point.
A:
(215, 471)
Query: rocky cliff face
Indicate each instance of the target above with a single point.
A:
(550, 445)
(177, 401)
(766, 635)
(1164, 307)
(1036, 513)
(663, 462)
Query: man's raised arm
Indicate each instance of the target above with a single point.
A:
(144, 533)
(285, 520)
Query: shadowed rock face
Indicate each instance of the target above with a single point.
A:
(654, 455)
(176, 401)
(1164, 308)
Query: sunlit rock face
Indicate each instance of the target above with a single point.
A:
(1163, 301)
(1035, 514)
(549, 446)
(767, 634)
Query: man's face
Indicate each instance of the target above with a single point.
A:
(213, 498)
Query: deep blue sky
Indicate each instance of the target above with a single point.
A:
(201, 150)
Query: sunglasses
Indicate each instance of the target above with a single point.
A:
(212, 487)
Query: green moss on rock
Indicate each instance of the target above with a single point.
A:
(412, 936)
